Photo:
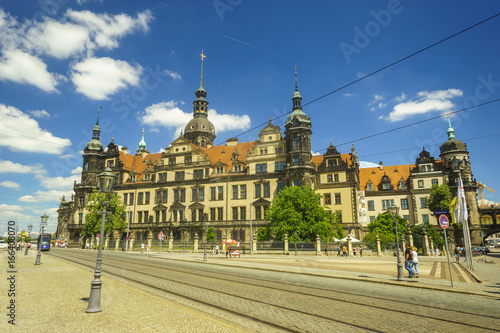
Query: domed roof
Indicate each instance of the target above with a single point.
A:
(199, 124)
(299, 116)
(94, 144)
(453, 145)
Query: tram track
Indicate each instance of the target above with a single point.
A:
(252, 291)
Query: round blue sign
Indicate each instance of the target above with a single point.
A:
(443, 221)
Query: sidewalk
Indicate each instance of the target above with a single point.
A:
(53, 297)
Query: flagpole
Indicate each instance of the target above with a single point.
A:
(463, 218)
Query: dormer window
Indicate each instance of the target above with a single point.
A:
(369, 186)
(402, 184)
(386, 186)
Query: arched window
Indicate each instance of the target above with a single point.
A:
(296, 144)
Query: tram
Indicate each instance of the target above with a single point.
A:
(44, 241)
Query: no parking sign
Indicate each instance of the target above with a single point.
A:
(443, 221)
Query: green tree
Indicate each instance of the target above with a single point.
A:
(383, 226)
(115, 219)
(264, 234)
(431, 233)
(211, 235)
(297, 209)
(440, 197)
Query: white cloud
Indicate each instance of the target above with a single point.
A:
(21, 67)
(169, 115)
(348, 94)
(58, 183)
(107, 29)
(426, 102)
(97, 78)
(400, 98)
(46, 196)
(10, 184)
(173, 75)
(365, 164)
(21, 133)
(11, 167)
(377, 98)
(39, 114)
(4, 207)
(77, 170)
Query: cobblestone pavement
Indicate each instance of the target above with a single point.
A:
(54, 295)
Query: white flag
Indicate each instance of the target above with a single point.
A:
(462, 204)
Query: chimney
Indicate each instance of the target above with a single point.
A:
(380, 165)
(124, 150)
(232, 142)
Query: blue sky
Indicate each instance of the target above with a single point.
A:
(139, 61)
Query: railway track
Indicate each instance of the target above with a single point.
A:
(291, 302)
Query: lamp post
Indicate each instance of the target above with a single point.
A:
(185, 235)
(106, 183)
(30, 227)
(295, 239)
(205, 229)
(128, 230)
(43, 223)
(394, 213)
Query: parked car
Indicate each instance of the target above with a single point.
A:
(481, 250)
(497, 245)
(3, 244)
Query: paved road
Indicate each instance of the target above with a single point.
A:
(276, 300)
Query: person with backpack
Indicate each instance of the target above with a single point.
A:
(409, 261)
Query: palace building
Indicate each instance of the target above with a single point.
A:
(231, 185)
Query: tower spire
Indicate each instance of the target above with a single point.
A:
(98, 110)
(296, 86)
(450, 131)
(201, 78)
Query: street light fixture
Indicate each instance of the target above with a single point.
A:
(185, 235)
(205, 229)
(43, 223)
(30, 227)
(106, 183)
(394, 213)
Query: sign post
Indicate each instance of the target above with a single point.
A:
(444, 222)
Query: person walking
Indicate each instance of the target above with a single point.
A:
(415, 261)
(457, 254)
(354, 251)
(147, 247)
(142, 247)
(344, 251)
(409, 261)
(217, 249)
(338, 251)
(361, 251)
(227, 250)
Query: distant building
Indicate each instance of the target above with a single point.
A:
(229, 185)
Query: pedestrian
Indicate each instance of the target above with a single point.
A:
(142, 247)
(213, 250)
(227, 250)
(409, 261)
(437, 252)
(361, 251)
(217, 249)
(432, 252)
(147, 247)
(338, 251)
(354, 251)
(457, 254)
(344, 251)
(415, 261)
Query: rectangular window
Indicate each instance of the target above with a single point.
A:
(183, 195)
(131, 197)
(258, 168)
(422, 203)
(176, 195)
(220, 215)
(243, 191)
(283, 164)
(281, 186)
(328, 199)
(420, 183)
(187, 159)
(297, 183)
(80, 218)
(338, 199)
(406, 217)
(220, 193)
(425, 218)
(165, 196)
(125, 199)
(257, 190)
(404, 203)
(212, 214)
(197, 174)
(200, 214)
(372, 218)
(146, 201)
(162, 177)
(339, 216)
(434, 181)
(336, 177)
(171, 161)
(193, 215)
(164, 216)
(235, 191)
(267, 190)
(371, 205)
(194, 194)
(235, 213)
(141, 198)
(157, 215)
(174, 215)
(213, 193)
(179, 175)
(139, 217)
(261, 167)
(201, 194)
(146, 217)
(329, 178)
(276, 166)
(243, 213)
(387, 203)
(258, 213)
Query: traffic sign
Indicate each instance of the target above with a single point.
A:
(161, 234)
(442, 211)
(443, 221)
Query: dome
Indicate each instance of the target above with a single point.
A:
(94, 145)
(199, 124)
(453, 145)
(299, 116)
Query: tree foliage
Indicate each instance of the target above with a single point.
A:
(298, 211)
(211, 235)
(440, 197)
(115, 214)
(383, 226)
(431, 233)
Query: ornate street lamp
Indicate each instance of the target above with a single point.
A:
(43, 223)
(30, 227)
(107, 181)
(205, 229)
(394, 213)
